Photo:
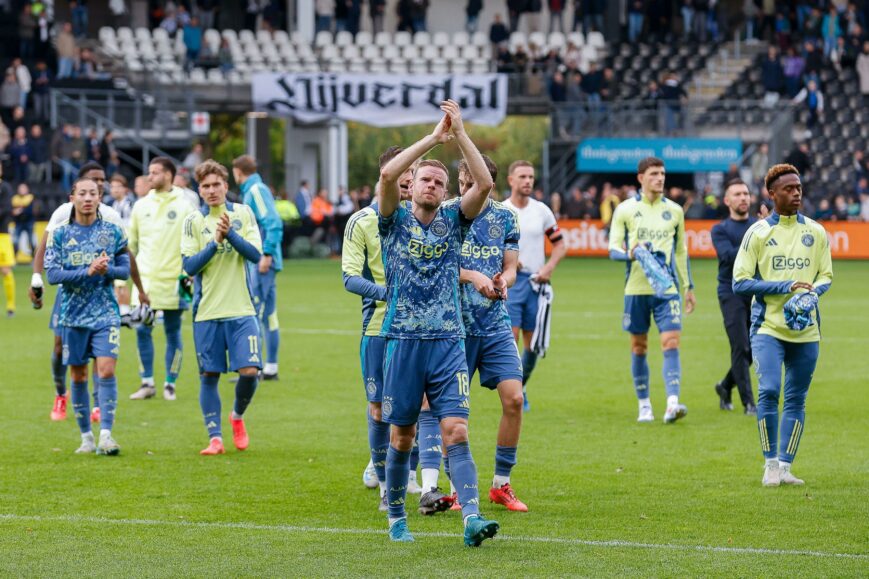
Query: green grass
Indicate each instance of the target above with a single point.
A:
(587, 470)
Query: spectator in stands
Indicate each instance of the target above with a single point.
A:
(574, 205)
(40, 156)
(10, 96)
(41, 93)
(363, 199)
(772, 76)
(558, 87)
(814, 62)
(793, 65)
(170, 21)
(419, 15)
(343, 210)
(824, 212)
(556, 15)
(636, 12)
(20, 153)
(498, 32)
(555, 205)
(322, 217)
(86, 67)
(767, 20)
(830, 30)
(66, 51)
(252, 13)
(687, 10)
(839, 208)
(859, 167)
(514, 10)
(863, 73)
(18, 119)
(118, 9)
(610, 199)
(814, 99)
(141, 186)
(192, 42)
(759, 165)
(43, 36)
(592, 18)
(472, 15)
(812, 27)
(304, 199)
(224, 57)
(23, 205)
(79, 11)
(672, 95)
(205, 11)
(799, 158)
(863, 194)
(548, 63)
(107, 147)
(193, 158)
(592, 83)
(26, 31)
(749, 12)
(122, 199)
(25, 81)
(377, 11)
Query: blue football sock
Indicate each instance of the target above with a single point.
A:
(81, 406)
(273, 339)
(414, 454)
(108, 401)
(529, 360)
(378, 441)
(145, 344)
(640, 372)
(464, 477)
(505, 460)
(397, 471)
(96, 383)
(244, 391)
(430, 451)
(174, 345)
(209, 401)
(447, 468)
(58, 373)
(767, 425)
(672, 370)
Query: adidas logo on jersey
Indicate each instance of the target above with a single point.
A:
(771, 243)
(72, 242)
(253, 358)
(638, 215)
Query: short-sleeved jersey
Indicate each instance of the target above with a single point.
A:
(221, 289)
(155, 235)
(662, 223)
(62, 215)
(494, 232)
(89, 302)
(784, 249)
(361, 256)
(537, 222)
(422, 273)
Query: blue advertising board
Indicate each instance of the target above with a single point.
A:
(679, 155)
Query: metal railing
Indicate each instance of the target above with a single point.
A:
(638, 118)
(113, 110)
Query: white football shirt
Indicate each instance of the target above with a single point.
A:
(536, 222)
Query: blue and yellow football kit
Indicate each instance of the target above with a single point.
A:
(775, 253)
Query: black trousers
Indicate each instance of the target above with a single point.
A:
(736, 310)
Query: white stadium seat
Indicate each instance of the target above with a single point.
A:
(460, 66)
(160, 35)
(402, 38)
(343, 38)
(371, 52)
(450, 52)
(245, 35)
(480, 39)
(125, 33)
(461, 38)
(264, 37)
(596, 39)
(107, 34)
(398, 66)
(422, 39)
(480, 66)
(418, 67)
(197, 76)
(379, 67)
(329, 51)
(323, 38)
(470, 52)
(537, 38)
(337, 65)
(215, 76)
(440, 66)
(383, 39)
(440, 39)
(391, 52)
(357, 65)
(431, 52)
(410, 52)
(364, 38)
(576, 38)
(282, 38)
(518, 39)
(351, 51)
(556, 40)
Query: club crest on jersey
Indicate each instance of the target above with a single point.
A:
(439, 228)
(371, 386)
(236, 224)
(172, 215)
(808, 240)
(666, 216)
(103, 240)
(387, 407)
(626, 321)
(495, 231)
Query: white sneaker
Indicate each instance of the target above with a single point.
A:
(771, 475)
(412, 486)
(369, 476)
(87, 446)
(674, 413)
(787, 478)
(646, 414)
(145, 391)
(168, 392)
(108, 446)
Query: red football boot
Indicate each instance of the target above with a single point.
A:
(214, 447)
(505, 496)
(59, 410)
(239, 433)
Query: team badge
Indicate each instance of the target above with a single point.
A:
(103, 240)
(439, 228)
(808, 240)
(387, 407)
(172, 215)
(626, 321)
(371, 387)
(236, 224)
(496, 231)
(666, 216)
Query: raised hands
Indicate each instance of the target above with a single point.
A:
(454, 115)
(223, 226)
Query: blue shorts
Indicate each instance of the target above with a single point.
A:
(239, 338)
(436, 368)
(371, 355)
(639, 310)
(496, 358)
(53, 322)
(264, 293)
(82, 344)
(522, 303)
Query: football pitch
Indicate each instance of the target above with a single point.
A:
(607, 496)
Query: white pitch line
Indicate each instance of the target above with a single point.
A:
(618, 544)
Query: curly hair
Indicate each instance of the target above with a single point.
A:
(211, 167)
(777, 171)
(490, 165)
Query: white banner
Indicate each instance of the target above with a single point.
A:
(382, 100)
